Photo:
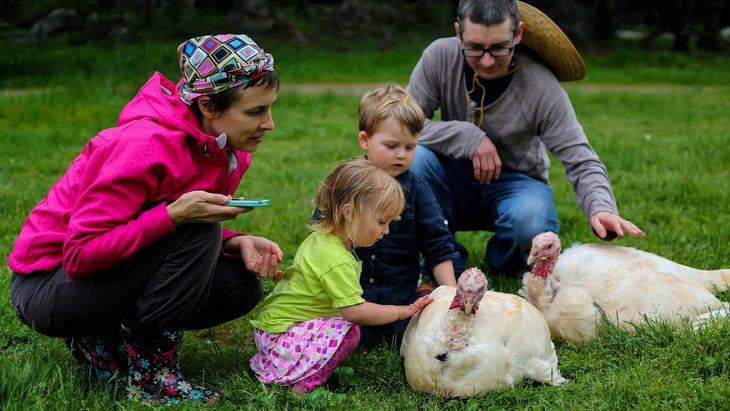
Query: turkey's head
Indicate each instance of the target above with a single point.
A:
(470, 289)
(544, 253)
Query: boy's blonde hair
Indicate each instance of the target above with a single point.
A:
(367, 187)
(390, 101)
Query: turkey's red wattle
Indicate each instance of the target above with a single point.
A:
(456, 303)
(543, 268)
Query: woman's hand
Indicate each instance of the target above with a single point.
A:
(260, 255)
(203, 207)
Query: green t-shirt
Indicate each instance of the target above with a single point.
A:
(323, 278)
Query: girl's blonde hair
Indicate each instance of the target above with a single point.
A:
(386, 102)
(367, 187)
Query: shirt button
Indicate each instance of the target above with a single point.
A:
(372, 280)
(372, 256)
(398, 218)
(446, 222)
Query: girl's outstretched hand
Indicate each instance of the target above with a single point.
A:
(416, 306)
(368, 313)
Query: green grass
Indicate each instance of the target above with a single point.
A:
(665, 141)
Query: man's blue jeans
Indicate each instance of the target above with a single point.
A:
(515, 207)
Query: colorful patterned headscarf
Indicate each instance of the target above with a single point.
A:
(211, 64)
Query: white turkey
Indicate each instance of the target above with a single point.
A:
(589, 282)
(470, 341)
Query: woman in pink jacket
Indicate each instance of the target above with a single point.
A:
(127, 249)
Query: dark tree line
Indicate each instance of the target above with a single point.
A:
(685, 19)
(690, 22)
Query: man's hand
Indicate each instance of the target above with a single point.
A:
(608, 226)
(486, 162)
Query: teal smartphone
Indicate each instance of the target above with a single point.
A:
(248, 202)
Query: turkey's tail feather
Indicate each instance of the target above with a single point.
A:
(710, 279)
(720, 278)
(711, 316)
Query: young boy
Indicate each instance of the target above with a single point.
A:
(390, 123)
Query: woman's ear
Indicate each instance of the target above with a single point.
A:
(204, 105)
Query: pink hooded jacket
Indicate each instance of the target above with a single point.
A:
(111, 202)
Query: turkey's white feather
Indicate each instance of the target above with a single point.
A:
(507, 340)
(625, 285)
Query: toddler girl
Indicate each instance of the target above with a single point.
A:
(308, 325)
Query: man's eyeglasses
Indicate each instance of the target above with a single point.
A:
(494, 51)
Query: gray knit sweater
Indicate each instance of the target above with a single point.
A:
(533, 114)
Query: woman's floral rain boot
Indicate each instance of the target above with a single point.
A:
(100, 353)
(154, 371)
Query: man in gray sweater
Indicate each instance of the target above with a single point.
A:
(501, 106)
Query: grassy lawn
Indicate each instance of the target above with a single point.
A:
(658, 121)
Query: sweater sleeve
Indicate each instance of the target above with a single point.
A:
(564, 137)
(113, 217)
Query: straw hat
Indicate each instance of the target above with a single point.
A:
(545, 38)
